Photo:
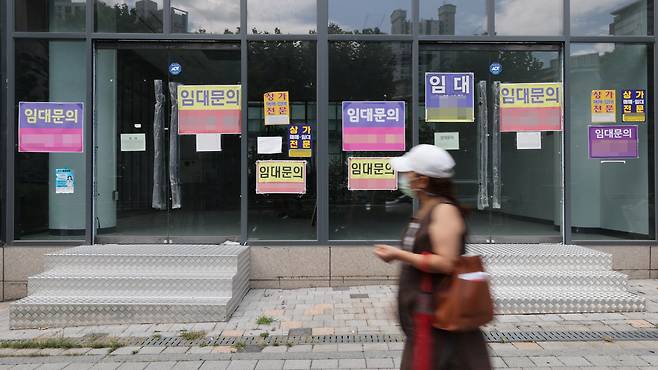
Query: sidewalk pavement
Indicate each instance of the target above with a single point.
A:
(339, 311)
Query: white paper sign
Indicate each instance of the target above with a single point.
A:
(270, 145)
(528, 140)
(133, 142)
(208, 142)
(447, 140)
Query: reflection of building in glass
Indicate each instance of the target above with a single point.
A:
(445, 25)
(632, 18)
(67, 9)
(179, 18)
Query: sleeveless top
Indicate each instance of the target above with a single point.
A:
(416, 239)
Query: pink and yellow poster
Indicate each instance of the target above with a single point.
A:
(371, 174)
(280, 177)
(373, 126)
(531, 107)
(50, 127)
(209, 109)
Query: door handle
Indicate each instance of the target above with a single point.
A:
(495, 147)
(483, 147)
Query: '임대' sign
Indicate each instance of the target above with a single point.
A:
(371, 174)
(449, 97)
(531, 107)
(209, 109)
(280, 177)
(613, 142)
(50, 127)
(373, 126)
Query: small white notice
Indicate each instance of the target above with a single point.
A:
(208, 142)
(528, 140)
(133, 142)
(270, 144)
(447, 140)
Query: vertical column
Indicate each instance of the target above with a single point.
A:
(244, 174)
(322, 64)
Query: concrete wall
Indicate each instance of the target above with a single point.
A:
(306, 266)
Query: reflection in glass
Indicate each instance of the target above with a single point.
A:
(604, 204)
(454, 17)
(128, 16)
(612, 17)
(280, 17)
(370, 16)
(383, 72)
(282, 66)
(50, 15)
(529, 17)
(49, 71)
(205, 16)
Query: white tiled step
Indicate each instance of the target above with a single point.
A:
(39, 311)
(148, 258)
(154, 285)
(583, 280)
(552, 256)
(529, 301)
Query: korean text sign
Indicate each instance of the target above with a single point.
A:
(604, 106)
(371, 174)
(209, 109)
(634, 104)
(300, 141)
(46, 127)
(373, 126)
(449, 97)
(276, 108)
(531, 107)
(280, 177)
(613, 141)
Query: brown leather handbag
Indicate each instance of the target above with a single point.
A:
(463, 302)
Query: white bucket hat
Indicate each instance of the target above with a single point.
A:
(427, 160)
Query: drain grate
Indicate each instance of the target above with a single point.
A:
(490, 336)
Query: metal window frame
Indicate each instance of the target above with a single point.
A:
(322, 38)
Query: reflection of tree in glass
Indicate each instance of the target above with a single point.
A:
(336, 29)
(122, 18)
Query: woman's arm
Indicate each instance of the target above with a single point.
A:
(445, 231)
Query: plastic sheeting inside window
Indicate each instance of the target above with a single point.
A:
(483, 147)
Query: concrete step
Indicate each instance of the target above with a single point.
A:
(533, 301)
(154, 285)
(148, 258)
(542, 256)
(569, 280)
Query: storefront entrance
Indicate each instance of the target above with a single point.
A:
(154, 185)
(513, 184)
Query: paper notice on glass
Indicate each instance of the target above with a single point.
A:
(208, 142)
(447, 140)
(133, 142)
(270, 144)
(528, 140)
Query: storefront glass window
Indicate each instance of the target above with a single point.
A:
(370, 17)
(529, 17)
(128, 16)
(605, 205)
(460, 17)
(49, 71)
(612, 17)
(279, 67)
(205, 16)
(383, 72)
(281, 17)
(50, 15)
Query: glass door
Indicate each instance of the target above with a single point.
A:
(510, 181)
(158, 181)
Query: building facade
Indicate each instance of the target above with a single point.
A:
(138, 179)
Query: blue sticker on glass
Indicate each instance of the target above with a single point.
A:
(175, 69)
(495, 68)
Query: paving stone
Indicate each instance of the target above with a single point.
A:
(301, 348)
(325, 347)
(324, 364)
(107, 366)
(54, 366)
(161, 365)
(242, 365)
(518, 361)
(26, 366)
(270, 365)
(214, 365)
(547, 361)
(350, 347)
(152, 350)
(188, 365)
(275, 349)
(297, 364)
(133, 366)
(497, 362)
(125, 350)
(573, 361)
(352, 363)
(375, 363)
(199, 350)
